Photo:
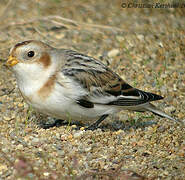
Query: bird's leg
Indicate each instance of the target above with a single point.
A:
(56, 123)
(95, 125)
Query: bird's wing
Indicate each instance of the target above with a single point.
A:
(102, 85)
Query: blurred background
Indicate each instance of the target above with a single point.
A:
(145, 46)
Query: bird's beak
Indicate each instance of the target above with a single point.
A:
(12, 61)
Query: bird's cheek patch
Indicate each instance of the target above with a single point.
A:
(45, 60)
(12, 61)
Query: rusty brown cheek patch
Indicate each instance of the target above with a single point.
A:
(45, 60)
(47, 88)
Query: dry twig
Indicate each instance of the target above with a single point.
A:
(71, 22)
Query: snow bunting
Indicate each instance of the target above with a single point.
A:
(67, 85)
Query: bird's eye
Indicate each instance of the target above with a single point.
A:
(31, 53)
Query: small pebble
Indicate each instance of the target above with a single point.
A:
(20, 147)
(113, 53)
(7, 118)
(78, 134)
(46, 173)
(82, 128)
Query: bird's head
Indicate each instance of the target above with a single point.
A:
(29, 52)
(30, 60)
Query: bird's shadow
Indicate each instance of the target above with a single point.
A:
(112, 126)
(120, 125)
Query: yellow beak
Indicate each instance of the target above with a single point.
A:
(12, 61)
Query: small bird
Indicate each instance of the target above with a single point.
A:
(65, 84)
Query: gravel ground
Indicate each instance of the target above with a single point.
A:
(146, 47)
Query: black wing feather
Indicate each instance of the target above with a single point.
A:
(144, 98)
(85, 103)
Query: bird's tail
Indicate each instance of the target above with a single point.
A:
(150, 107)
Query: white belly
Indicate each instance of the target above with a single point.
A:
(60, 106)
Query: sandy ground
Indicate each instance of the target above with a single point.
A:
(145, 46)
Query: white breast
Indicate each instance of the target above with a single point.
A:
(62, 106)
(61, 102)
